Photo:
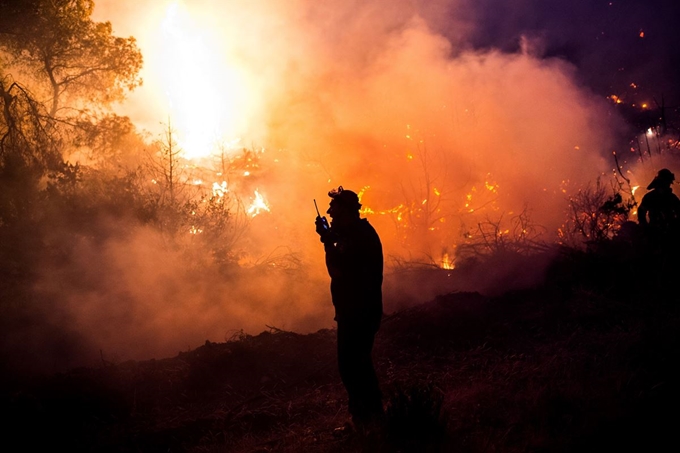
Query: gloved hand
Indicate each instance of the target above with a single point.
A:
(321, 225)
(322, 229)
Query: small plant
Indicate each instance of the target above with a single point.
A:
(518, 235)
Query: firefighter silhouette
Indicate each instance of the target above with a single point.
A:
(354, 259)
(659, 210)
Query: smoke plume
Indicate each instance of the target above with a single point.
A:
(397, 102)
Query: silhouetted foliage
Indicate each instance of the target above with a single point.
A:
(519, 235)
(595, 215)
(67, 54)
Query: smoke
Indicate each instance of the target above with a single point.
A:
(397, 102)
(136, 296)
(395, 106)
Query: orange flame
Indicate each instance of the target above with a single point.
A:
(447, 262)
(258, 205)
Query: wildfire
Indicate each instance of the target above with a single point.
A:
(398, 210)
(206, 95)
(258, 205)
(447, 262)
(219, 190)
(491, 187)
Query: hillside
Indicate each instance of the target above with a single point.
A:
(583, 362)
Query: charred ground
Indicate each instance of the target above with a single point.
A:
(584, 361)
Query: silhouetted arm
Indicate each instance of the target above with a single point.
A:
(642, 212)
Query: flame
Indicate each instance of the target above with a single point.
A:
(491, 187)
(447, 262)
(258, 205)
(220, 190)
(206, 94)
(361, 192)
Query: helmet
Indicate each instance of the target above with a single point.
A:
(346, 198)
(664, 178)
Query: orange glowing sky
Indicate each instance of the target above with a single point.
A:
(361, 96)
(356, 92)
(439, 126)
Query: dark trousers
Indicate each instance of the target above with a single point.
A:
(355, 344)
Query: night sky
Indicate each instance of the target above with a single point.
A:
(613, 44)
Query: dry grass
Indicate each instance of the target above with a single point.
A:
(577, 364)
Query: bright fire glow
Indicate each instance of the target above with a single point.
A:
(205, 93)
(447, 263)
(219, 190)
(258, 205)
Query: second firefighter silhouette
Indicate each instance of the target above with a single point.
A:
(659, 210)
(354, 260)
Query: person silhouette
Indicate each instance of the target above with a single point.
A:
(354, 260)
(659, 211)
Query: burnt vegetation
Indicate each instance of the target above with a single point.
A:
(583, 362)
(577, 353)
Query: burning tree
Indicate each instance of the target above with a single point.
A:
(422, 211)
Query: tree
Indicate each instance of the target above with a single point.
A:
(52, 52)
(68, 54)
(24, 135)
(594, 215)
(167, 170)
(28, 150)
(108, 142)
